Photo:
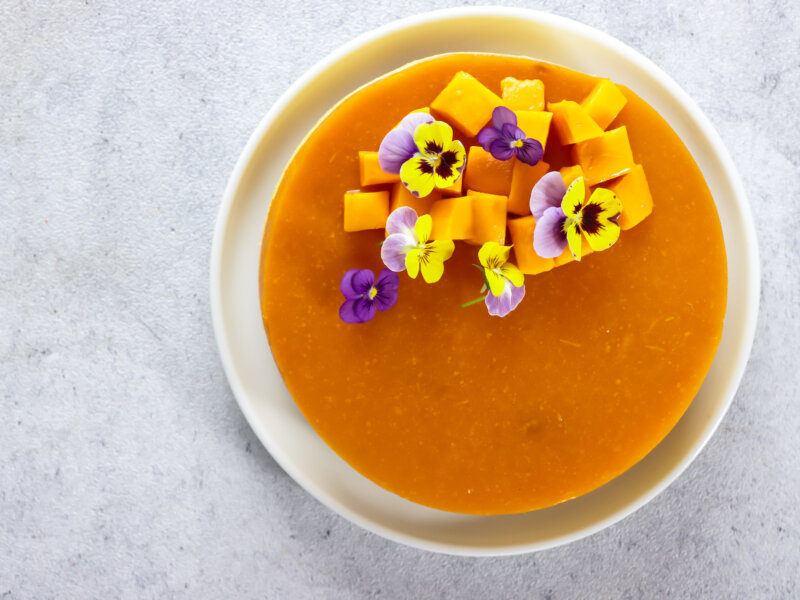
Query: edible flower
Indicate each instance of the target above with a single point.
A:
(409, 248)
(438, 161)
(398, 145)
(504, 140)
(563, 214)
(363, 295)
(504, 282)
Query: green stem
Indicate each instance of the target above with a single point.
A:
(471, 302)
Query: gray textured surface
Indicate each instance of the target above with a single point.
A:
(127, 468)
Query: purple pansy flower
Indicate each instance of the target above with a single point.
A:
(398, 145)
(549, 238)
(504, 140)
(364, 295)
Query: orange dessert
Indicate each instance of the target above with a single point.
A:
(608, 341)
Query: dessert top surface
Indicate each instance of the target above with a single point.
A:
(450, 407)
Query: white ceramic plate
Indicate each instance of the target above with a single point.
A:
(246, 355)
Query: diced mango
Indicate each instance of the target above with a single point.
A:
(424, 109)
(604, 103)
(523, 178)
(572, 123)
(566, 255)
(605, 157)
(452, 219)
(634, 193)
(402, 197)
(457, 189)
(485, 173)
(365, 210)
(527, 260)
(527, 94)
(466, 103)
(488, 218)
(570, 174)
(371, 172)
(535, 124)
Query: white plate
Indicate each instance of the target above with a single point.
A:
(246, 355)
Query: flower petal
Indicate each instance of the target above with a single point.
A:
(508, 300)
(432, 270)
(411, 120)
(402, 220)
(487, 135)
(362, 281)
(387, 285)
(548, 236)
(451, 163)
(432, 138)
(574, 198)
(573, 232)
(495, 281)
(513, 274)
(511, 132)
(417, 175)
(412, 262)
(394, 250)
(396, 148)
(597, 219)
(530, 152)
(346, 285)
(548, 192)
(357, 311)
(423, 228)
(492, 255)
(501, 149)
(502, 115)
(440, 250)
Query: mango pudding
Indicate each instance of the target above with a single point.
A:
(492, 284)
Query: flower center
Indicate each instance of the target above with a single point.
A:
(517, 143)
(373, 291)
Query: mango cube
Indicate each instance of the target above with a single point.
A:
(371, 172)
(466, 103)
(604, 103)
(634, 193)
(527, 94)
(402, 197)
(365, 210)
(452, 219)
(570, 174)
(535, 124)
(605, 157)
(523, 178)
(485, 173)
(572, 123)
(527, 260)
(488, 218)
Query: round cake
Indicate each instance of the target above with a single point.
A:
(437, 399)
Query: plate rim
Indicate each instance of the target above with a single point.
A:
(247, 154)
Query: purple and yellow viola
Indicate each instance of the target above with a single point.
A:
(504, 283)
(408, 246)
(423, 152)
(563, 216)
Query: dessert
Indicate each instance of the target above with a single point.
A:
(452, 407)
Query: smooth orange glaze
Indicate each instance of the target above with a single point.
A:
(461, 411)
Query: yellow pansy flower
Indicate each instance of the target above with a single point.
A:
(438, 162)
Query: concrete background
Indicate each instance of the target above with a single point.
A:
(128, 470)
